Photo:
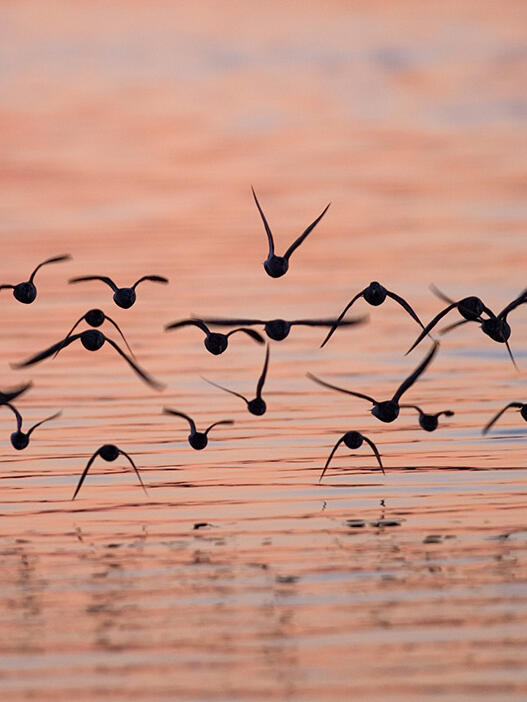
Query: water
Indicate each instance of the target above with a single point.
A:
(130, 137)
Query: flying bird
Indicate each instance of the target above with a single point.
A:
(429, 422)
(20, 439)
(516, 405)
(353, 440)
(10, 395)
(123, 297)
(95, 318)
(108, 452)
(375, 294)
(197, 439)
(257, 405)
(277, 266)
(215, 342)
(26, 292)
(278, 329)
(387, 410)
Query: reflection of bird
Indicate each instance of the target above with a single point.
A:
(108, 452)
(95, 318)
(388, 410)
(277, 266)
(92, 340)
(26, 292)
(375, 294)
(215, 342)
(20, 439)
(197, 439)
(123, 297)
(257, 405)
(10, 395)
(353, 440)
(278, 329)
(429, 422)
(517, 405)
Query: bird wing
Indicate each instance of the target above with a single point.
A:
(55, 259)
(335, 387)
(305, 233)
(140, 372)
(341, 315)
(266, 225)
(417, 372)
(497, 416)
(104, 279)
(47, 353)
(191, 422)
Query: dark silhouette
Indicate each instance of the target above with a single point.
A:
(375, 294)
(278, 329)
(108, 452)
(277, 266)
(215, 342)
(388, 410)
(257, 405)
(197, 439)
(95, 318)
(353, 440)
(26, 292)
(517, 405)
(20, 439)
(10, 395)
(470, 308)
(123, 297)
(92, 340)
(429, 422)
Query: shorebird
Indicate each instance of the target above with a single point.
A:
(95, 318)
(197, 439)
(108, 452)
(26, 292)
(214, 342)
(278, 329)
(123, 297)
(353, 440)
(20, 439)
(517, 405)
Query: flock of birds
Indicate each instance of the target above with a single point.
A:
(470, 309)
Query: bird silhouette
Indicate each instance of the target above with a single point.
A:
(375, 294)
(10, 395)
(429, 422)
(197, 439)
(92, 340)
(517, 405)
(214, 342)
(353, 440)
(26, 292)
(278, 329)
(257, 405)
(387, 410)
(123, 297)
(277, 266)
(95, 318)
(109, 453)
(470, 308)
(19, 439)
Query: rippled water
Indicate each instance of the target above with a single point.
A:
(130, 135)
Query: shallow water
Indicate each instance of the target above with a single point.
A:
(130, 136)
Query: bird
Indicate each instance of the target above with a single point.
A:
(197, 439)
(257, 405)
(374, 294)
(353, 440)
(123, 297)
(92, 340)
(26, 292)
(215, 342)
(95, 318)
(470, 308)
(278, 329)
(10, 395)
(517, 405)
(20, 439)
(108, 452)
(388, 410)
(429, 422)
(277, 266)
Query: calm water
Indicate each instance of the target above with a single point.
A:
(130, 135)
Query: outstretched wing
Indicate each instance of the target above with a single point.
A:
(152, 278)
(109, 319)
(430, 326)
(329, 322)
(222, 387)
(375, 451)
(220, 322)
(417, 372)
(305, 233)
(266, 225)
(55, 259)
(330, 457)
(129, 458)
(17, 414)
(341, 315)
(11, 395)
(69, 333)
(85, 473)
(104, 279)
(222, 421)
(335, 387)
(494, 419)
(140, 372)
(189, 322)
(48, 419)
(47, 353)
(261, 379)
(175, 413)
(520, 300)
(405, 306)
